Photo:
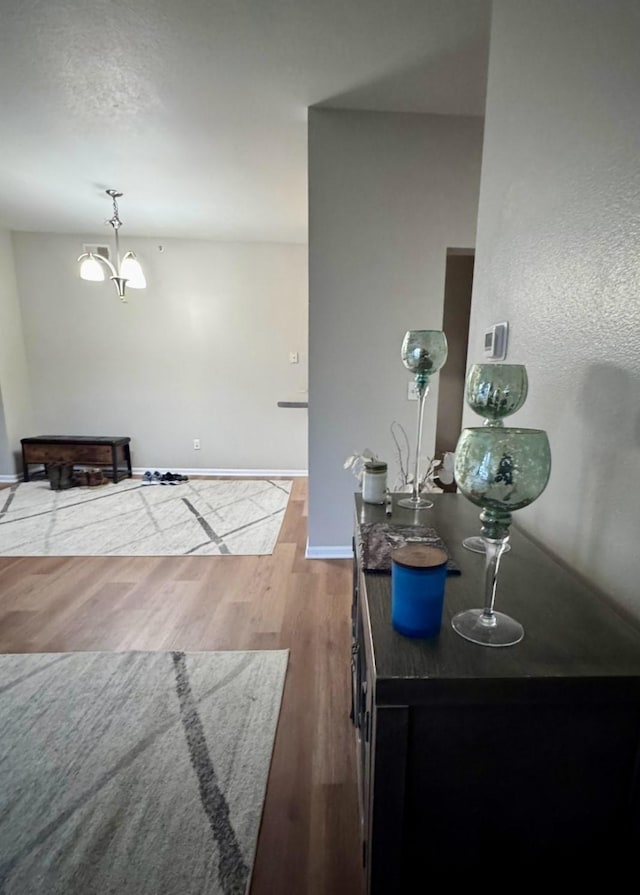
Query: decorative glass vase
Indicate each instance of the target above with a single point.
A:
(501, 470)
(424, 352)
(494, 391)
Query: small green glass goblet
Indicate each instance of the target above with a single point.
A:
(424, 352)
(494, 391)
(501, 470)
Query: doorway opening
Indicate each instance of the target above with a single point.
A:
(458, 286)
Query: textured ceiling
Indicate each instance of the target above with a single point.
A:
(197, 109)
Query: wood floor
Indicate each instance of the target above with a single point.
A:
(309, 840)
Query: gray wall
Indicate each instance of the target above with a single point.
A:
(558, 257)
(203, 352)
(15, 400)
(388, 193)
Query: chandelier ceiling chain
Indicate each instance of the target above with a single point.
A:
(115, 221)
(127, 272)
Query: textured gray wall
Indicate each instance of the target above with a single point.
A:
(15, 398)
(558, 257)
(388, 193)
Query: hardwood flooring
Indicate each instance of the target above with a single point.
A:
(309, 839)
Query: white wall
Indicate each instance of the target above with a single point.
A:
(388, 193)
(15, 400)
(203, 352)
(558, 256)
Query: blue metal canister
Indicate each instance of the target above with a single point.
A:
(418, 577)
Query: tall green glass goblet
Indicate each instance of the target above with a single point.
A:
(500, 470)
(494, 391)
(424, 352)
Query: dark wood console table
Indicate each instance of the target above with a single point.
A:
(102, 450)
(495, 764)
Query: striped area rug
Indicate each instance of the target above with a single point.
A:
(134, 773)
(209, 517)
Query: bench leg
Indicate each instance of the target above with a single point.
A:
(127, 457)
(25, 468)
(114, 461)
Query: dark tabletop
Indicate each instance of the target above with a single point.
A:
(571, 631)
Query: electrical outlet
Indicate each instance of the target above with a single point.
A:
(293, 357)
(196, 444)
(412, 391)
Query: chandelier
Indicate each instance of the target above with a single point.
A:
(127, 272)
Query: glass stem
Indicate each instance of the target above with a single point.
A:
(423, 392)
(494, 548)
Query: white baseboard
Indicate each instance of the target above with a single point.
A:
(335, 552)
(235, 473)
(205, 473)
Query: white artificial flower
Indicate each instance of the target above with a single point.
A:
(357, 460)
(446, 475)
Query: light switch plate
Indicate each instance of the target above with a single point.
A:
(495, 341)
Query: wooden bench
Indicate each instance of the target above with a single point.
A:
(86, 450)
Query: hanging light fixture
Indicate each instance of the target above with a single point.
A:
(127, 272)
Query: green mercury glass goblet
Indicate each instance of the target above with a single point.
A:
(424, 352)
(494, 391)
(501, 470)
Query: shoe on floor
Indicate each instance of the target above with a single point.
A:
(174, 477)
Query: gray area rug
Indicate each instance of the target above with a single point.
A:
(134, 773)
(202, 516)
